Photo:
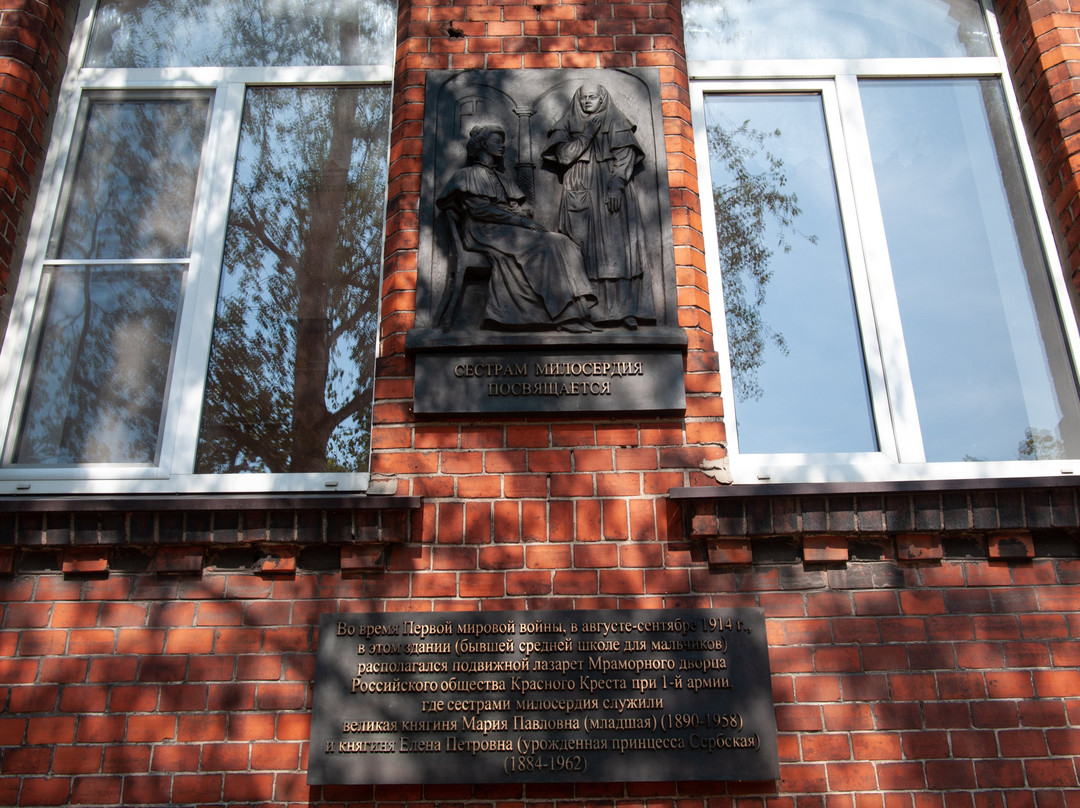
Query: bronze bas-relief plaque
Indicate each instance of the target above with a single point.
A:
(543, 696)
(545, 228)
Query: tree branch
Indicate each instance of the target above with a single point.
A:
(254, 226)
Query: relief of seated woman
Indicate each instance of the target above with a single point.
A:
(538, 278)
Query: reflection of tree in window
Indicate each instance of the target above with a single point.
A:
(289, 383)
(745, 205)
(164, 33)
(134, 184)
(102, 366)
(799, 380)
(1040, 444)
(97, 390)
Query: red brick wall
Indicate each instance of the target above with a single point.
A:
(926, 685)
(604, 478)
(32, 42)
(1042, 42)
(898, 683)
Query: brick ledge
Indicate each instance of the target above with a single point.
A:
(767, 489)
(207, 502)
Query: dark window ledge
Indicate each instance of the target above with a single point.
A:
(207, 502)
(767, 489)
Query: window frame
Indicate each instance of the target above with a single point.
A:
(173, 473)
(900, 454)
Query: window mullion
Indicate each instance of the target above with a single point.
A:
(875, 373)
(903, 413)
(186, 395)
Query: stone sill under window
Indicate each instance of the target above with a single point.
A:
(206, 502)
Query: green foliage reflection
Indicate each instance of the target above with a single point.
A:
(753, 208)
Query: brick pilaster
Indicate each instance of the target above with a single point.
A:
(33, 41)
(624, 467)
(1042, 43)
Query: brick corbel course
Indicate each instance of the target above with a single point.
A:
(178, 561)
(278, 561)
(1011, 544)
(91, 561)
(357, 559)
(730, 553)
(704, 526)
(918, 547)
(825, 549)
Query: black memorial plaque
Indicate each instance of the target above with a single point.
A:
(528, 381)
(545, 232)
(544, 696)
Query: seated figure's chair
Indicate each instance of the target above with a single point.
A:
(466, 268)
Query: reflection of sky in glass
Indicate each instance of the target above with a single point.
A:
(133, 189)
(247, 33)
(98, 387)
(965, 262)
(841, 29)
(305, 230)
(814, 398)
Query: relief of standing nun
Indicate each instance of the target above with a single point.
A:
(596, 146)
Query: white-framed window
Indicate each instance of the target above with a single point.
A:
(198, 305)
(893, 302)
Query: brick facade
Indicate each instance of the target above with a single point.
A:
(923, 643)
(33, 39)
(929, 683)
(1040, 39)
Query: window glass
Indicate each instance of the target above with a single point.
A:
(96, 390)
(201, 286)
(134, 183)
(796, 358)
(959, 308)
(289, 384)
(839, 29)
(989, 367)
(105, 351)
(182, 33)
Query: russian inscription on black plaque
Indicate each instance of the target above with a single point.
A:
(545, 228)
(573, 696)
